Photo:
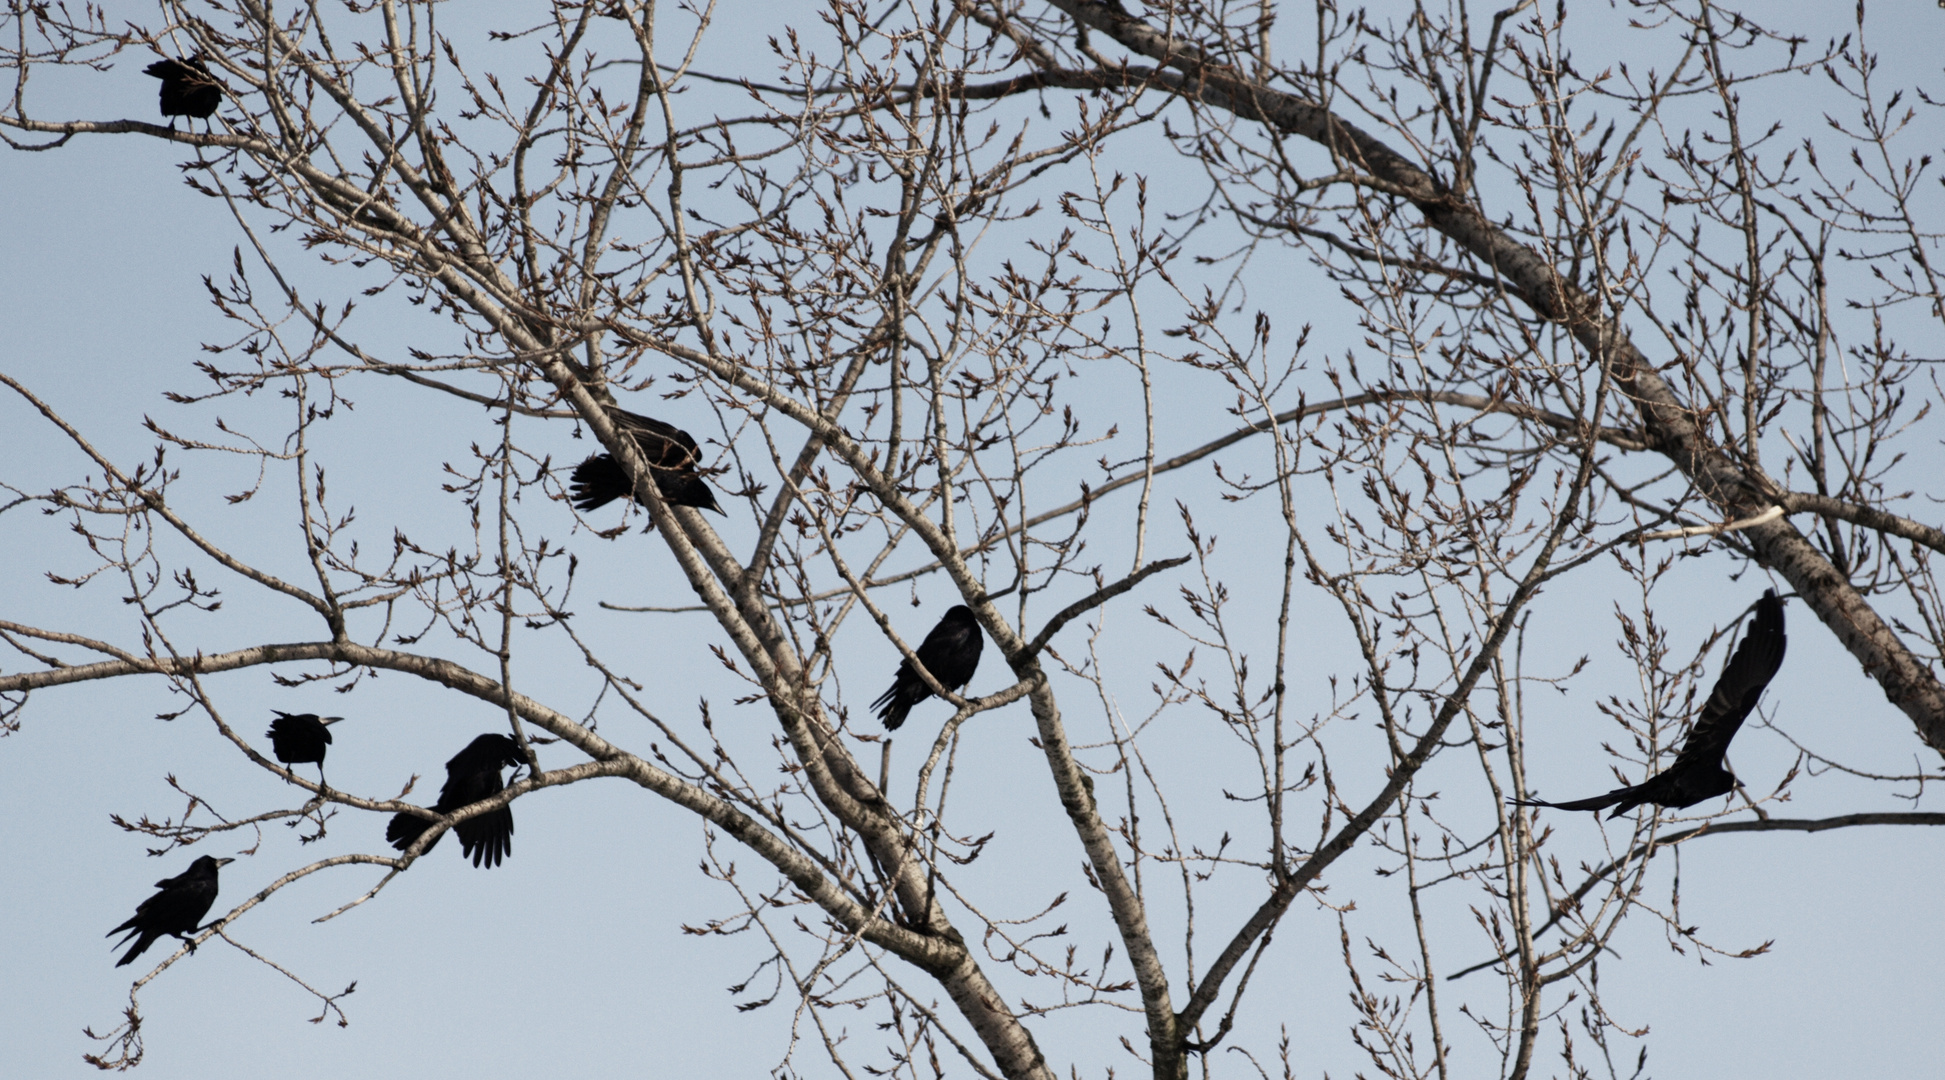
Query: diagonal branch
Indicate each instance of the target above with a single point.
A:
(1673, 428)
(1096, 599)
(1806, 502)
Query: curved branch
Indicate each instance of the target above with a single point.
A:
(1807, 825)
(1100, 596)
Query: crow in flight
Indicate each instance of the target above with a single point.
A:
(177, 910)
(187, 88)
(950, 652)
(1698, 773)
(300, 737)
(472, 774)
(672, 456)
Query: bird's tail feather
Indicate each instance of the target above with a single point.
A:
(1596, 802)
(406, 828)
(141, 946)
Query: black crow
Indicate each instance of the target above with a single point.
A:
(672, 456)
(176, 910)
(1697, 773)
(950, 652)
(299, 737)
(472, 774)
(187, 88)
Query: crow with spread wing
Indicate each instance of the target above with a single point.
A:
(1697, 773)
(473, 774)
(672, 456)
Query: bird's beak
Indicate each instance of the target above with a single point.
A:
(329, 720)
(224, 862)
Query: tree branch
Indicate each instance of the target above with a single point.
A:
(1805, 825)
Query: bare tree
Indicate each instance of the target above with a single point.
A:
(911, 276)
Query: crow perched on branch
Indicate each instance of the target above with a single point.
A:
(299, 737)
(472, 774)
(1698, 773)
(177, 910)
(672, 457)
(188, 89)
(950, 652)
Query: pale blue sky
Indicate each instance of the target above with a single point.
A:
(569, 960)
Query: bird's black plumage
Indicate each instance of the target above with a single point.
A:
(672, 456)
(187, 88)
(1697, 773)
(300, 737)
(176, 910)
(472, 774)
(950, 652)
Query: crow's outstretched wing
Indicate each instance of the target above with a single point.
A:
(664, 445)
(670, 452)
(1697, 773)
(1755, 663)
(472, 774)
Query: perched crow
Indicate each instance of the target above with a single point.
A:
(1698, 773)
(950, 652)
(300, 737)
(187, 88)
(177, 910)
(472, 774)
(671, 453)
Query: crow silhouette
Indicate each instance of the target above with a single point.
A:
(176, 910)
(1697, 773)
(950, 652)
(187, 88)
(472, 774)
(299, 737)
(672, 457)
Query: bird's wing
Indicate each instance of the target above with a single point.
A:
(904, 677)
(938, 644)
(487, 838)
(189, 71)
(664, 445)
(1752, 667)
(474, 773)
(951, 639)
